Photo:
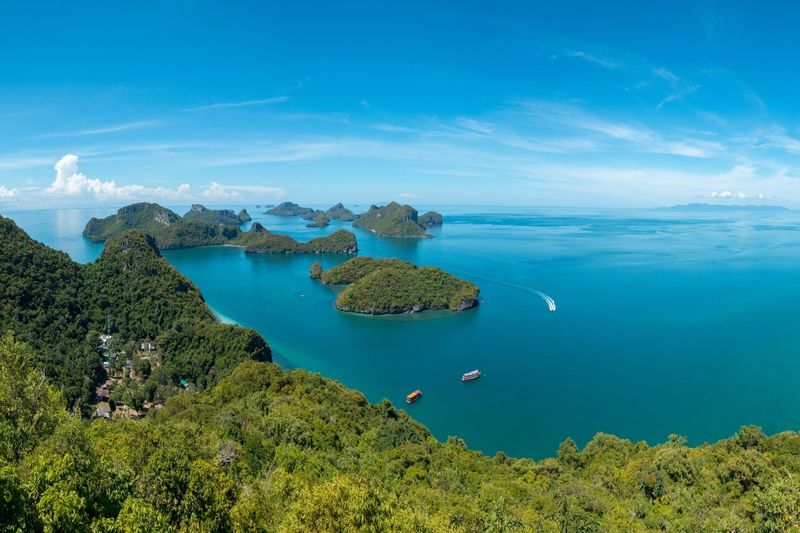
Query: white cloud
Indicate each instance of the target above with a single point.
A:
(69, 181)
(215, 191)
(8, 194)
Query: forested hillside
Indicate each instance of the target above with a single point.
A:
(60, 308)
(271, 450)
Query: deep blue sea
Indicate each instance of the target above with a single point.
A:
(667, 321)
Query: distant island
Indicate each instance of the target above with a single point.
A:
(317, 216)
(395, 220)
(259, 240)
(201, 226)
(393, 286)
(289, 209)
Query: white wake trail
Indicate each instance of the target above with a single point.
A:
(551, 304)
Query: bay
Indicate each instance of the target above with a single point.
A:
(666, 322)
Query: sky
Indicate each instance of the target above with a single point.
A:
(597, 104)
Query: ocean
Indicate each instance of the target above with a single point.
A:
(666, 321)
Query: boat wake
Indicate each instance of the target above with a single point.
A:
(551, 304)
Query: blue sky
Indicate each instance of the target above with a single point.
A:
(501, 103)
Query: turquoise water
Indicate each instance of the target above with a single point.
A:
(666, 322)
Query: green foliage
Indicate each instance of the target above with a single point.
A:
(30, 408)
(261, 241)
(392, 220)
(42, 296)
(203, 351)
(381, 286)
(273, 450)
(356, 268)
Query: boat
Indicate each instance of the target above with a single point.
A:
(469, 376)
(414, 396)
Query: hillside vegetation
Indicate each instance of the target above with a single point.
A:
(271, 450)
(261, 241)
(389, 286)
(59, 308)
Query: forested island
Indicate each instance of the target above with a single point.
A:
(392, 286)
(259, 240)
(206, 227)
(198, 227)
(258, 448)
(395, 220)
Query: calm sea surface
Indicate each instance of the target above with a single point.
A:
(666, 322)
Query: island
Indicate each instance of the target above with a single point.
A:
(393, 286)
(198, 227)
(289, 209)
(259, 240)
(430, 219)
(340, 212)
(395, 220)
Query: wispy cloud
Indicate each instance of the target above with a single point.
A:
(680, 88)
(243, 103)
(103, 130)
(591, 58)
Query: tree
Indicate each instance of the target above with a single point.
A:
(30, 408)
(340, 504)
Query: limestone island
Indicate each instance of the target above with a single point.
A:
(393, 286)
(317, 217)
(206, 227)
(259, 240)
(395, 220)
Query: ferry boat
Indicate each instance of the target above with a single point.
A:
(414, 396)
(469, 376)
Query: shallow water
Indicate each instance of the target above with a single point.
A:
(666, 322)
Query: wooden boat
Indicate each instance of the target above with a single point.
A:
(469, 376)
(414, 396)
